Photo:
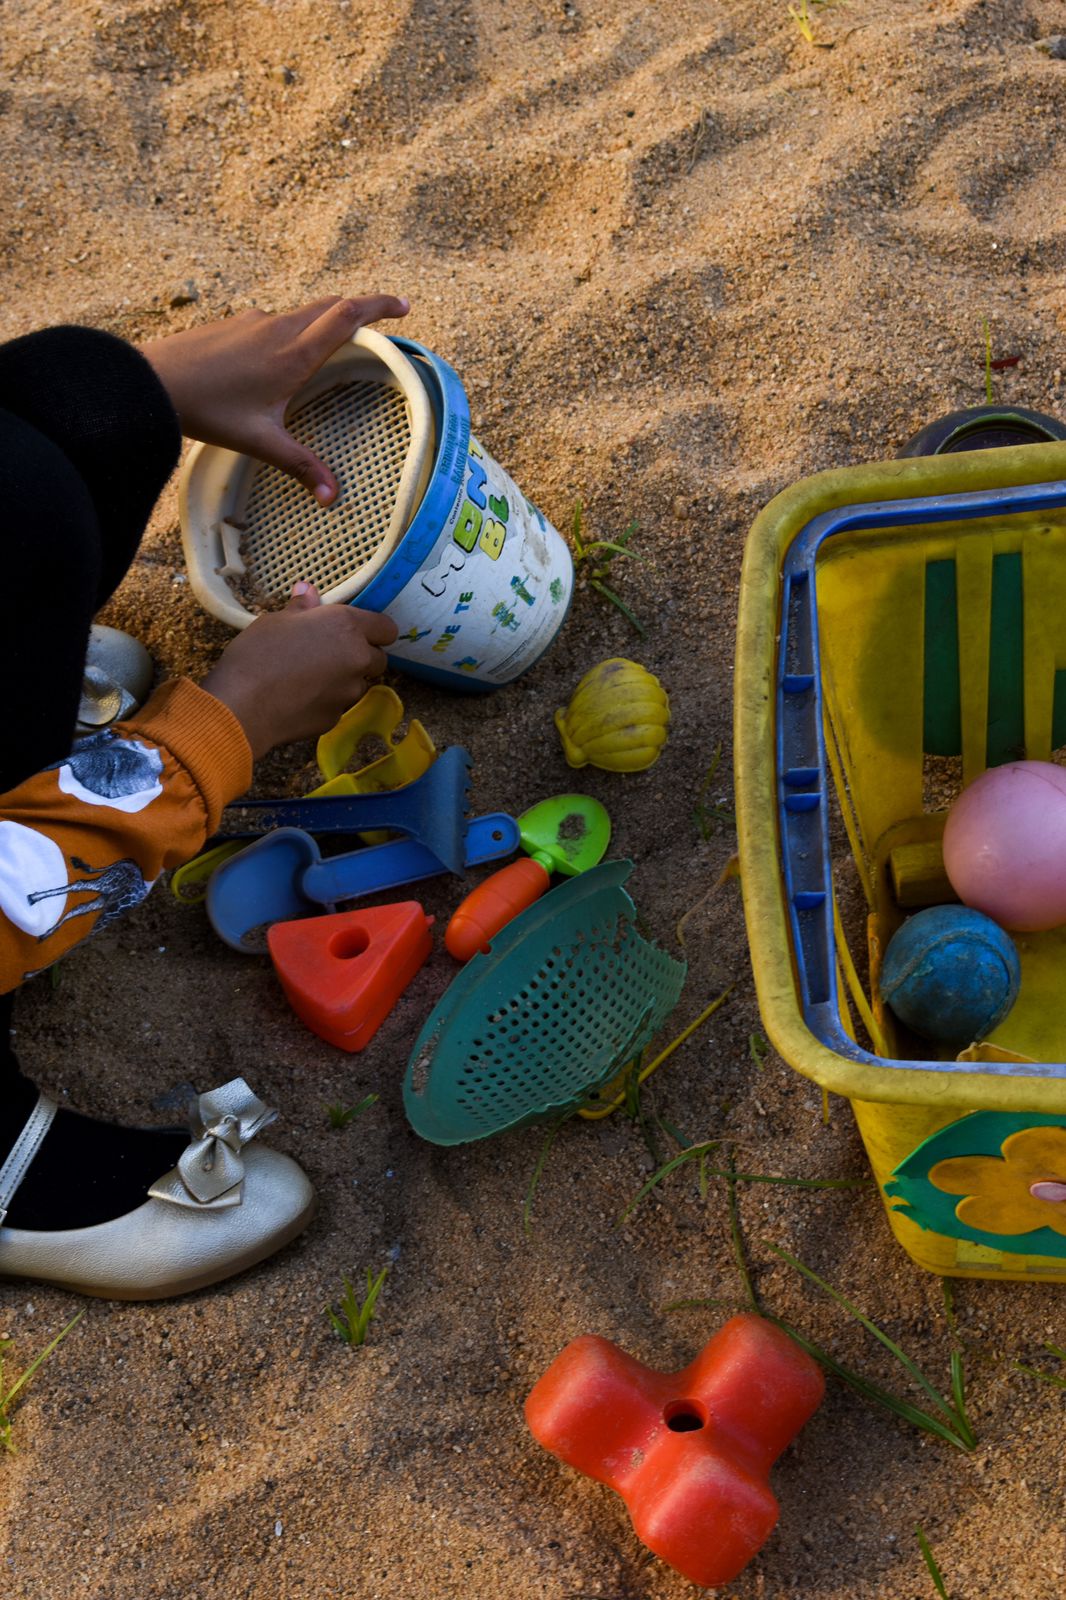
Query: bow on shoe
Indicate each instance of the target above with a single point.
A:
(210, 1173)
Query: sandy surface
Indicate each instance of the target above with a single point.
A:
(680, 259)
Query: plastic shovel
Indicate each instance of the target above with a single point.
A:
(567, 834)
(431, 810)
(284, 876)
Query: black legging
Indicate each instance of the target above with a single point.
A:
(88, 438)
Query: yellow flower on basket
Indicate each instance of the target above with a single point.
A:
(1023, 1191)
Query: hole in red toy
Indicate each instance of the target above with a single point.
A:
(350, 943)
(685, 1416)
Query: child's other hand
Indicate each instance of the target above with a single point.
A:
(292, 673)
(230, 381)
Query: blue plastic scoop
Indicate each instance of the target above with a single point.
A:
(431, 810)
(284, 876)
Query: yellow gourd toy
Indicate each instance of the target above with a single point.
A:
(617, 718)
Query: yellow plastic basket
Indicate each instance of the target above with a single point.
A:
(902, 626)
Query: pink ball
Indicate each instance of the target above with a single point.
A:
(1005, 845)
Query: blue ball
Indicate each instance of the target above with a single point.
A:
(951, 974)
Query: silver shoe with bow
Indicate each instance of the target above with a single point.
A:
(115, 680)
(226, 1205)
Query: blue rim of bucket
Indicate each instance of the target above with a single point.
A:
(451, 417)
(802, 776)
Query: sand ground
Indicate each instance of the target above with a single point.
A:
(680, 258)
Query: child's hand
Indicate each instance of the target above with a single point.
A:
(292, 673)
(230, 381)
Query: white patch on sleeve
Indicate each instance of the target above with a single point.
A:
(129, 803)
(30, 863)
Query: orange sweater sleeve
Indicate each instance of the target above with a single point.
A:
(84, 840)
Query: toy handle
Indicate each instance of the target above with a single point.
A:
(492, 905)
(401, 861)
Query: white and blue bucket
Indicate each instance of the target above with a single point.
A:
(428, 527)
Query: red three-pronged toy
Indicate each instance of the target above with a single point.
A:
(689, 1452)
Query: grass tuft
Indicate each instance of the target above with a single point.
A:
(9, 1396)
(699, 1152)
(706, 816)
(803, 15)
(353, 1319)
(952, 1424)
(695, 1152)
(340, 1116)
(593, 557)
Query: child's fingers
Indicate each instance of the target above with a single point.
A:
(375, 626)
(377, 664)
(340, 320)
(294, 322)
(281, 450)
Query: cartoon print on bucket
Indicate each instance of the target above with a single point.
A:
(491, 594)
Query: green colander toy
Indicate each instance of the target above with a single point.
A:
(566, 995)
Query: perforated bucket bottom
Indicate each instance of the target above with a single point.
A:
(250, 531)
(568, 994)
(363, 430)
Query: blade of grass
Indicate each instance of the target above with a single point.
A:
(609, 594)
(21, 1382)
(799, 1183)
(737, 1239)
(615, 549)
(1056, 1350)
(871, 1327)
(700, 810)
(988, 361)
(580, 548)
(634, 1109)
(958, 1394)
(930, 1561)
(1045, 1377)
(872, 1391)
(545, 1150)
(710, 1304)
(698, 1152)
(673, 1133)
(802, 20)
(693, 1153)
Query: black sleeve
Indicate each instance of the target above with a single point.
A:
(99, 401)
